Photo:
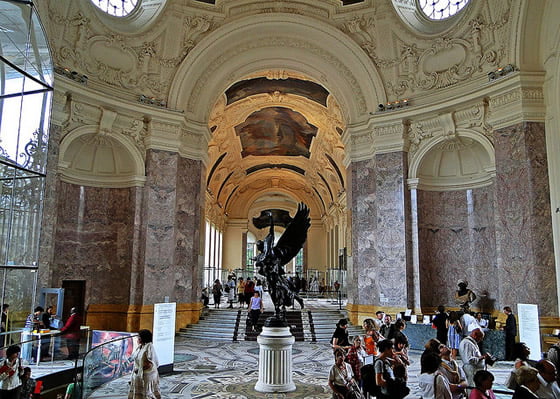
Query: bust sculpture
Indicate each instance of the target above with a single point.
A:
(464, 296)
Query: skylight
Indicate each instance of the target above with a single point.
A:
(441, 9)
(117, 8)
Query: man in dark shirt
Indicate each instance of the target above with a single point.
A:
(511, 332)
(440, 323)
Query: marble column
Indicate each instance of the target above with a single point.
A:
(364, 288)
(393, 230)
(171, 228)
(413, 279)
(524, 245)
(381, 241)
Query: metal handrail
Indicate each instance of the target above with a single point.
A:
(85, 358)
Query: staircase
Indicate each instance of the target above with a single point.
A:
(293, 318)
(315, 325)
(220, 325)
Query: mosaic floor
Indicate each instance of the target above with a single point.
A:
(207, 369)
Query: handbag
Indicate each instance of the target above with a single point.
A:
(354, 392)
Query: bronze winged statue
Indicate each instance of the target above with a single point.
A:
(272, 258)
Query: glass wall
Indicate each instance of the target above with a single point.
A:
(26, 77)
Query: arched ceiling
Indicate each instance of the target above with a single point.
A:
(275, 133)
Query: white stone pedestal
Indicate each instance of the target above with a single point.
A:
(275, 360)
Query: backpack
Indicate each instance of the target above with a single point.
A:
(368, 380)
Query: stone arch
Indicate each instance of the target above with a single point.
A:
(247, 202)
(482, 149)
(285, 41)
(100, 160)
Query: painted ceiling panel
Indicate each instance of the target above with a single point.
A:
(276, 131)
(249, 87)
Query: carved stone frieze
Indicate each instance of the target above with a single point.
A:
(394, 129)
(516, 105)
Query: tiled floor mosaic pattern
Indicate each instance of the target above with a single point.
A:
(207, 369)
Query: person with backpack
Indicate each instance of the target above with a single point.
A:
(390, 387)
(217, 293)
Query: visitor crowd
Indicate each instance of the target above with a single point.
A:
(452, 365)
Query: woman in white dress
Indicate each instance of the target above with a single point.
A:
(144, 383)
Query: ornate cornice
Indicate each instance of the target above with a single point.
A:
(519, 104)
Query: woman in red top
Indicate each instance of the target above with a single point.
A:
(355, 356)
(71, 332)
(371, 337)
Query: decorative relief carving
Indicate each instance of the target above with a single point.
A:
(446, 62)
(473, 118)
(118, 60)
(418, 133)
(361, 139)
(137, 131)
(430, 64)
(396, 129)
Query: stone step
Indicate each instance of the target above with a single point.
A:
(230, 324)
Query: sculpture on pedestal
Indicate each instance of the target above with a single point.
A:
(464, 296)
(272, 258)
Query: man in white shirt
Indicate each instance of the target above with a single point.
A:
(472, 359)
(378, 321)
(547, 377)
(469, 323)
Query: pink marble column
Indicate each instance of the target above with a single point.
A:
(525, 254)
(381, 231)
(172, 214)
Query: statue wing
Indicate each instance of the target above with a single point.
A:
(294, 236)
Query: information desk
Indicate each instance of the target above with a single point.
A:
(418, 334)
(52, 335)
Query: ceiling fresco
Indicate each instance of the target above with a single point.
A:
(275, 134)
(276, 131)
(304, 88)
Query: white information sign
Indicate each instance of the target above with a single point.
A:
(164, 332)
(529, 331)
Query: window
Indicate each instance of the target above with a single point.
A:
(299, 262)
(212, 254)
(434, 17)
(25, 103)
(117, 8)
(441, 9)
